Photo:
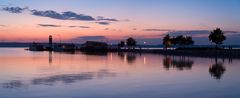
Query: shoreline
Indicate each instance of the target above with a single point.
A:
(226, 53)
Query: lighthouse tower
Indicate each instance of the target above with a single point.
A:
(50, 42)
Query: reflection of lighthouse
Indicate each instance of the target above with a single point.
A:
(50, 42)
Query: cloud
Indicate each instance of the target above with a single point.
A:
(199, 36)
(53, 25)
(72, 78)
(104, 23)
(78, 26)
(69, 15)
(101, 18)
(14, 9)
(49, 25)
(89, 38)
(2, 25)
(63, 78)
(2, 5)
(200, 33)
(157, 30)
(189, 33)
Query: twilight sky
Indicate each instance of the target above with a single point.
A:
(114, 20)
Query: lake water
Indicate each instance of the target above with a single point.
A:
(26, 74)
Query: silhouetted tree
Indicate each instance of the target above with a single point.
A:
(217, 36)
(174, 41)
(189, 41)
(181, 40)
(167, 41)
(121, 44)
(131, 42)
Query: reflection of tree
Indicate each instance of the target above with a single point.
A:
(180, 63)
(217, 70)
(131, 58)
(167, 62)
(121, 55)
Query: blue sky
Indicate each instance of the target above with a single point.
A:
(178, 15)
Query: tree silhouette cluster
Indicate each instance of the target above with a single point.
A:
(121, 44)
(129, 42)
(179, 40)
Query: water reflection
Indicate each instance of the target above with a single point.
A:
(101, 53)
(13, 84)
(116, 71)
(128, 57)
(50, 57)
(64, 78)
(178, 62)
(217, 69)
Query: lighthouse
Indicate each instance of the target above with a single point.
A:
(50, 42)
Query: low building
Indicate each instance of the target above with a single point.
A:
(36, 47)
(64, 47)
(94, 45)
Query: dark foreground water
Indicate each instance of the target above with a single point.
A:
(25, 74)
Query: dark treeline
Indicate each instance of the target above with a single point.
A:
(216, 36)
(179, 40)
(130, 42)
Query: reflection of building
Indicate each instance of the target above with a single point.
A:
(36, 47)
(180, 63)
(64, 47)
(93, 45)
(50, 57)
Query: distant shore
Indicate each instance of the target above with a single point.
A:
(156, 49)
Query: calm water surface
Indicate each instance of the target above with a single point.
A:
(26, 74)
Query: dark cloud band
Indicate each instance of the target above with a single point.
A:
(14, 9)
(78, 27)
(68, 15)
(2, 25)
(49, 25)
(104, 23)
(157, 30)
(62, 16)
